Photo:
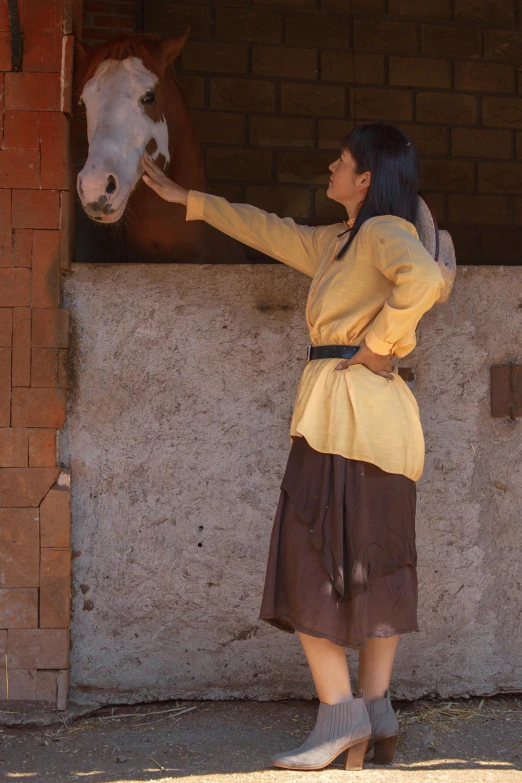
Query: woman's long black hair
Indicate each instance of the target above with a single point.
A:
(391, 158)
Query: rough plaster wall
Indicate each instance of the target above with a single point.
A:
(177, 436)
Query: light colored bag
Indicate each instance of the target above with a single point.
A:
(439, 244)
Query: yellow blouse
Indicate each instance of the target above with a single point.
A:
(376, 294)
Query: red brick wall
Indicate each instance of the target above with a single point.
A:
(273, 87)
(35, 189)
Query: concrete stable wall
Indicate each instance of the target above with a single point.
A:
(177, 436)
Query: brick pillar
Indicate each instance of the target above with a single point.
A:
(35, 208)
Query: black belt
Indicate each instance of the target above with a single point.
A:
(331, 351)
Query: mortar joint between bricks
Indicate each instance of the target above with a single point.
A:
(206, 93)
(277, 97)
(213, 22)
(351, 37)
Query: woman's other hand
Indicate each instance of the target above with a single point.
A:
(159, 182)
(380, 365)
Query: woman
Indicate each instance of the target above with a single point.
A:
(342, 561)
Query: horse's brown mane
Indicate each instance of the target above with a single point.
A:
(144, 46)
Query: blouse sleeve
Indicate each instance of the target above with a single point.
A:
(281, 238)
(402, 258)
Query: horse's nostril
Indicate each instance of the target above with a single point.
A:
(111, 185)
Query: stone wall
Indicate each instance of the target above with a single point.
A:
(177, 436)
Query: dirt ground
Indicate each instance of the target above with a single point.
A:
(468, 741)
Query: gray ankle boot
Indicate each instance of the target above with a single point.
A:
(385, 728)
(339, 727)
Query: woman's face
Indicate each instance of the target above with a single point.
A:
(345, 185)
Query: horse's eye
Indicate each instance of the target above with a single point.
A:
(149, 97)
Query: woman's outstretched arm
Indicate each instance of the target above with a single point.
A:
(281, 238)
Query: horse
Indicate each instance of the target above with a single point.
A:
(133, 104)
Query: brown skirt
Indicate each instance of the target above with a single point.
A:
(342, 558)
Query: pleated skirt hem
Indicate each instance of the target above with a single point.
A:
(288, 625)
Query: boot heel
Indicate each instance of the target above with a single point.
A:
(384, 750)
(354, 758)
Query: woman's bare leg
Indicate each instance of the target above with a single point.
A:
(375, 666)
(329, 667)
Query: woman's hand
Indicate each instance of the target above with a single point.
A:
(159, 182)
(380, 365)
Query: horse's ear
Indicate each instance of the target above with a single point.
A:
(171, 47)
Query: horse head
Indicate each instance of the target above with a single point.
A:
(126, 90)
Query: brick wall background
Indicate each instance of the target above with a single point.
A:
(274, 84)
(103, 19)
(35, 179)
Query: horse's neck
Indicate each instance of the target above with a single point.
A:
(185, 166)
(159, 230)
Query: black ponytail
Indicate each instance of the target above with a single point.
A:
(391, 158)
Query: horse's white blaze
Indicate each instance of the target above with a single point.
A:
(118, 130)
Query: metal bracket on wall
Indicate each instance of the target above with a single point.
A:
(506, 390)
(16, 34)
